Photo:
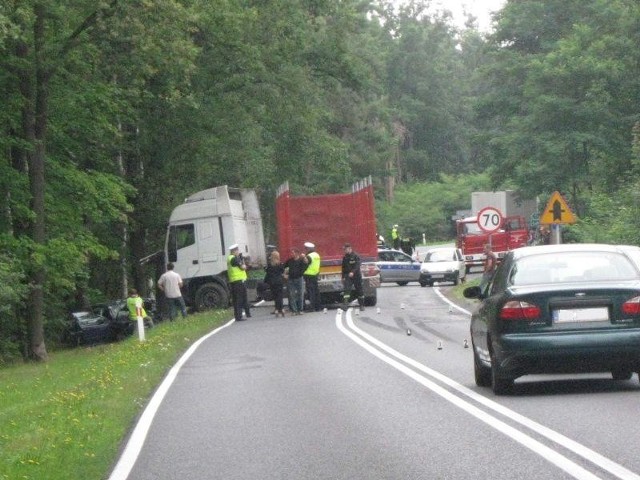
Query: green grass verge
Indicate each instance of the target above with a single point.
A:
(66, 419)
(456, 292)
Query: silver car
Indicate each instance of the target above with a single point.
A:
(445, 264)
(396, 266)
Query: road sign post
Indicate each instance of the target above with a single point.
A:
(557, 213)
(140, 319)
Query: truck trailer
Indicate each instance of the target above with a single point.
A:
(507, 202)
(330, 221)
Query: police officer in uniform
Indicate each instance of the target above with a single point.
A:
(352, 276)
(395, 237)
(311, 277)
(237, 274)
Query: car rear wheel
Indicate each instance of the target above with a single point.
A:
(621, 374)
(482, 374)
(499, 384)
(402, 284)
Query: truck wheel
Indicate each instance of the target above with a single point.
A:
(211, 295)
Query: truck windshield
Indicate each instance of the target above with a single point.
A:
(471, 228)
(180, 236)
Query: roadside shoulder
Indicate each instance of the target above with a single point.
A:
(455, 295)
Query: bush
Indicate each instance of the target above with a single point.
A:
(13, 291)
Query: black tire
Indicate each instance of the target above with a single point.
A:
(481, 373)
(429, 284)
(456, 279)
(402, 284)
(621, 374)
(211, 295)
(423, 283)
(500, 385)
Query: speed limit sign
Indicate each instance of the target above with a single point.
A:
(489, 219)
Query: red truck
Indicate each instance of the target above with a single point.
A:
(470, 238)
(330, 221)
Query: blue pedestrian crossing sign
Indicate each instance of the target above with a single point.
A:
(557, 211)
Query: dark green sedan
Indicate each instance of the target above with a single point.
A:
(558, 309)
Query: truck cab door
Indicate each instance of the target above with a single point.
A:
(212, 259)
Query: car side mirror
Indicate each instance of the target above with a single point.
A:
(472, 292)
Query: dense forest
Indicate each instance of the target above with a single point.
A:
(114, 111)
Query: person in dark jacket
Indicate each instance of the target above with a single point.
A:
(274, 277)
(294, 268)
(408, 245)
(352, 276)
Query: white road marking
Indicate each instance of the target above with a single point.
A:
(451, 304)
(136, 440)
(551, 455)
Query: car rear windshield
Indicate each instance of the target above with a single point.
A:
(440, 256)
(572, 267)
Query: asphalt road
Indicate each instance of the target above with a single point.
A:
(384, 394)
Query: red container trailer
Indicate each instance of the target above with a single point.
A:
(330, 221)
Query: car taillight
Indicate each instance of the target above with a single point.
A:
(369, 270)
(631, 306)
(517, 310)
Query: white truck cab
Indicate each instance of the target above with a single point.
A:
(199, 234)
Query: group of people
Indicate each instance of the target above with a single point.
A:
(399, 242)
(300, 272)
(170, 283)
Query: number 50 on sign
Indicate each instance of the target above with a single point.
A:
(489, 219)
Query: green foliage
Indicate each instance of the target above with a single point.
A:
(427, 86)
(610, 219)
(556, 107)
(428, 208)
(13, 291)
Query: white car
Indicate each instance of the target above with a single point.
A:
(444, 264)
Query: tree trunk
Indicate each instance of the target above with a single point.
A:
(34, 123)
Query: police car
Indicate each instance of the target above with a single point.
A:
(397, 267)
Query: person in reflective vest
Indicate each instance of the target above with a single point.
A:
(134, 302)
(311, 277)
(237, 274)
(395, 237)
